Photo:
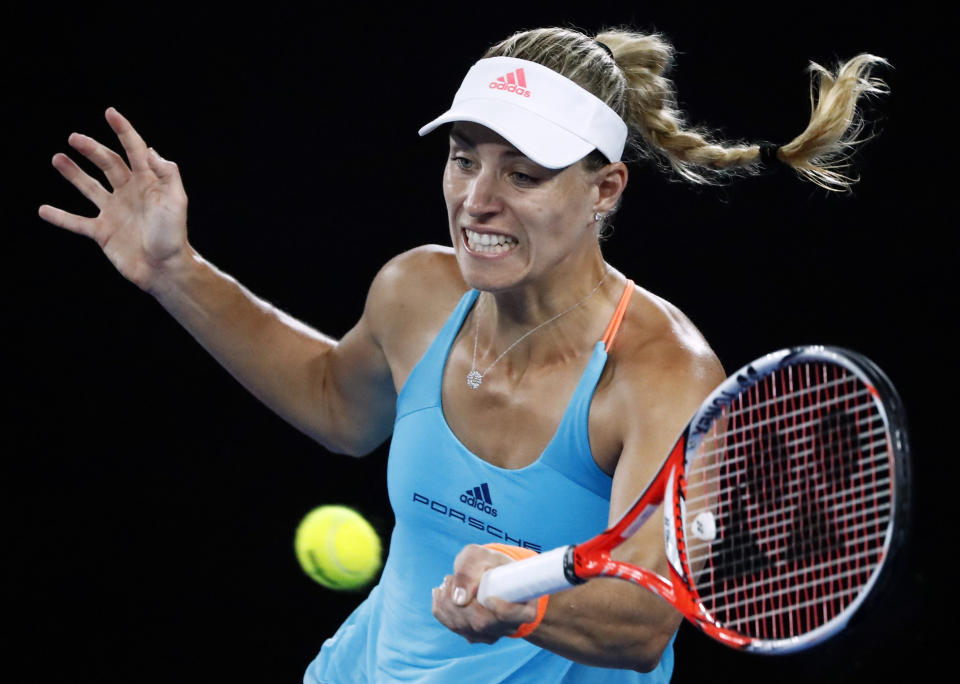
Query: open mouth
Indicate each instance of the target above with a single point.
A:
(488, 243)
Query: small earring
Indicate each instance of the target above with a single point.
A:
(597, 217)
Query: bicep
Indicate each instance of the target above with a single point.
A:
(652, 415)
(354, 379)
(649, 434)
(407, 302)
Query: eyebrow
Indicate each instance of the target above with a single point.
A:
(465, 141)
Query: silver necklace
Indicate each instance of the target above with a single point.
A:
(475, 377)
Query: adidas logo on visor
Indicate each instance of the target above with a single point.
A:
(562, 124)
(479, 498)
(513, 82)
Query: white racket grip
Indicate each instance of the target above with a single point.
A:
(525, 579)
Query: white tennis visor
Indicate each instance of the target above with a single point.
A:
(546, 116)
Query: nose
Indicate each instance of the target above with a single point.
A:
(482, 195)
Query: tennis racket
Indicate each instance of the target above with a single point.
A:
(783, 500)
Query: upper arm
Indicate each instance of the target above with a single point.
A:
(352, 389)
(357, 391)
(659, 408)
(361, 374)
(661, 404)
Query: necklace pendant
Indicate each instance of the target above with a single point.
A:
(474, 379)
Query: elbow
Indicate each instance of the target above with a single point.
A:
(357, 451)
(344, 450)
(643, 649)
(356, 443)
(345, 447)
(647, 665)
(649, 655)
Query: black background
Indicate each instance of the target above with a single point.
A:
(152, 502)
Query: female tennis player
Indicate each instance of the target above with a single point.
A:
(530, 388)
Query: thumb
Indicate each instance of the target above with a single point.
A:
(165, 170)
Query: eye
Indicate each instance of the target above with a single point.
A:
(521, 178)
(463, 163)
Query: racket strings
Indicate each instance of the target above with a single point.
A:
(736, 597)
(777, 534)
(749, 429)
(796, 474)
(793, 435)
(815, 602)
(775, 401)
(720, 485)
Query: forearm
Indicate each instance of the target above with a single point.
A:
(607, 623)
(603, 623)
(278, 359)
(340, 393)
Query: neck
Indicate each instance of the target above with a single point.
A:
(569, 296)
(531, 303)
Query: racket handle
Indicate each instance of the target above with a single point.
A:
(526, 579)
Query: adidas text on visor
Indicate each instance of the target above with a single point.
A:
(546, 116)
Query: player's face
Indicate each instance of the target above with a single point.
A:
(513, 221)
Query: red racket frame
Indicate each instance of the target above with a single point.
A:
(533, 577)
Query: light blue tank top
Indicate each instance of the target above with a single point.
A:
(445, 497)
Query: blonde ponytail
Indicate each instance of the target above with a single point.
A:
(633, 83)
(822, 151)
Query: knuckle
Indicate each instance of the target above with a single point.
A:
(499, 612)
(464, 580)
(510, 612)
(479, 623)
(465, 553)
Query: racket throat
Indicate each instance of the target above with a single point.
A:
(570, 566)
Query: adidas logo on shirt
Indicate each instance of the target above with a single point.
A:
(514, 82)
(479, 497)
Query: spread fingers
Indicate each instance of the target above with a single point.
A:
(72, 222)
(105, 159)
(132, 143)
(88, 187)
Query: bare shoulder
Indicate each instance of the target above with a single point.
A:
(410, 299)
(660, 369)
(414, 283)
(663, 353)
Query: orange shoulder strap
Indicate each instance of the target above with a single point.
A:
(617, 319)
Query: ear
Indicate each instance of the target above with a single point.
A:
(611, 181)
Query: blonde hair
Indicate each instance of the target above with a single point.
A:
(632, 83)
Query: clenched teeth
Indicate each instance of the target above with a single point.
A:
(488, 243)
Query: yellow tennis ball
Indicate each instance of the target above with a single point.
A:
(337, 547)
